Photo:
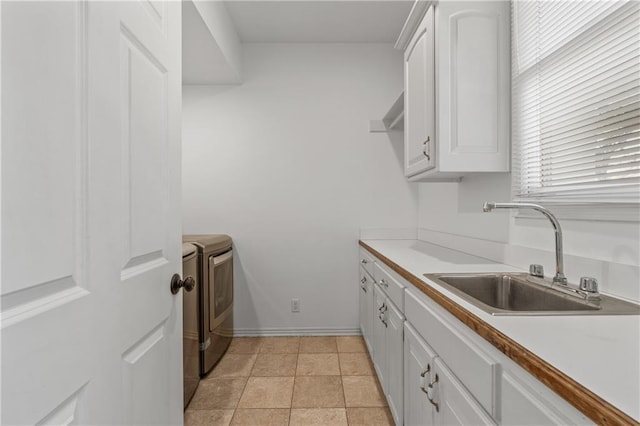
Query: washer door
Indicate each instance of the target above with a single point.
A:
(220, 287)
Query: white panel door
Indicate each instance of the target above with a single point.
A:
(91, 333)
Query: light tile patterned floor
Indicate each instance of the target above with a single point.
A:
(304, 381)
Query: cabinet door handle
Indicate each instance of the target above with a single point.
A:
(426, 148)
(430, 386)
(433, 382)
(363, 280)
(364, 261)
(424, 373)
(383, 283)
(363, 288)
(381, 318)
(428, 369)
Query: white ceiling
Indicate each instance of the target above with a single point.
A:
(323, 21)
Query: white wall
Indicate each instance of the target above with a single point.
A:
(285, 164)
(606, 250)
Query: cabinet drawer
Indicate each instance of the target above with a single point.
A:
(367, 261)
(523, 405)
(472, 365)
(392, 286)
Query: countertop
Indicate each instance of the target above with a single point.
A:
(601, 353)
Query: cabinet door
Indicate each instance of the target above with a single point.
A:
(456, 406)
(395, 361)
(366, 307)
(473, 84)
(418, 371)
(419, 95)
(379, 331)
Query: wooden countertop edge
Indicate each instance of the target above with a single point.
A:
(590, 404)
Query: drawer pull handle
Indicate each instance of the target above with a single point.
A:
(363, 288)
(363, 280)
(364, 261)
(384, 283)
(382, 308)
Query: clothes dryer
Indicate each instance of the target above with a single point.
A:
(215, 296)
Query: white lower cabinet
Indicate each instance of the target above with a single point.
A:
(434, 370)
(387, 351)
(433, 395)
(476, 384)
(418, 373)
(379, 327)
(395, 362)
(454, 404)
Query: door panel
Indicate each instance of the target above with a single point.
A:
(44, 287)
(140, 367)
(134, 68)
(144, 151)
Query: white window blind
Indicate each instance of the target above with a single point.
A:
(576, 101)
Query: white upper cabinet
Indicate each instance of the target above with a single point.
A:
(457, 86)
(420, 100)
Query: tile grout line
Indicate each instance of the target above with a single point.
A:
(344, 396)
(235, 410)
(295, 375)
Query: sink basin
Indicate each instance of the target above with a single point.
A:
(515, 294)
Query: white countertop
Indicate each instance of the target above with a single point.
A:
(602, 353)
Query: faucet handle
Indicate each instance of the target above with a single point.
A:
(589, 284)
(536, 270)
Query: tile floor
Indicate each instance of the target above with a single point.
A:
(291, 381)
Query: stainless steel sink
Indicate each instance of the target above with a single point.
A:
(519, 294)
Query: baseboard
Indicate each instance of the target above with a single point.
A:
(310, 331)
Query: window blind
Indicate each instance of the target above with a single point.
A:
(576, 101)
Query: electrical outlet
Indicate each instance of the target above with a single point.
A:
(295, 305)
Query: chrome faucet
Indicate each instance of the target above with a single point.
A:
(559, 277)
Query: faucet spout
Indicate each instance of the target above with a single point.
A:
(487, 207)
(559, 277)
